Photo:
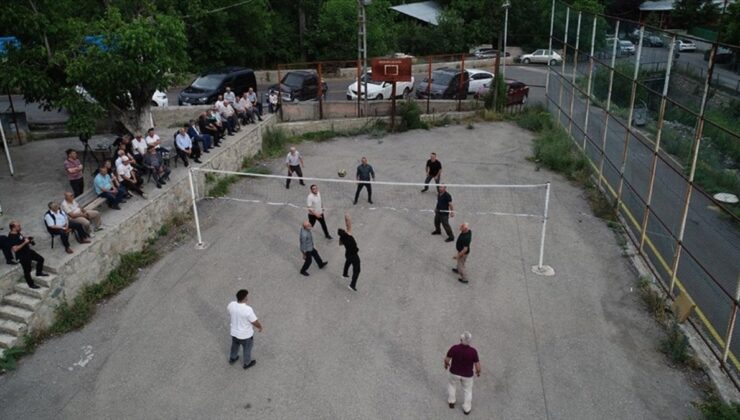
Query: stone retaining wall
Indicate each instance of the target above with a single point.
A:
(309, 111)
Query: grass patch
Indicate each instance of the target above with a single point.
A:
(222, 185)
(713, 408)
(652, 300)
(676, 346)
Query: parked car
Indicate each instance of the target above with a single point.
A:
(445, 84)
(685, 45)
(516, 92)
(206, 88)
(541, 56)
(626, 47)
(380, 90)
(654, 41)
(159, 98)
(487, 53)
(299, 85)
(478, 78)
(723, 55)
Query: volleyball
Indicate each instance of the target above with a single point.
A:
(342, 173)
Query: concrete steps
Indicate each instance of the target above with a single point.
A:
(22, 301)
(15, 313)
(18, 307)
(14, 328)
(7, 340)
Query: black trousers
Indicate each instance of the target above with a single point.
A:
(194, 153)
(429, 178)
(443, 218)
(369, 191)
(5, 246)
(26, 259)
(77, 229)
(312, 219)
(311, 255)
(297, 170)
(78, 186)
(353, 261)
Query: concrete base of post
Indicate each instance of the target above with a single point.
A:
(544, 270)
(201, 245)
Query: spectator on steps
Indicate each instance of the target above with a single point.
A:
(139, 147)
(228, 116)
(89, 219)
(185, 147)
(58, 223)
(21, 247)
(74, 170)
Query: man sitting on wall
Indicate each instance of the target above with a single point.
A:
(89, 219)
(199, 137)
(129, 177)
(228, 116)
(104, 188)
(208, 127)
(160, 171)
(185, 147)
(57, 223)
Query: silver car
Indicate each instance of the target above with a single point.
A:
(541, 56)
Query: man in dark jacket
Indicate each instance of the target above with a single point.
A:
(365, 173)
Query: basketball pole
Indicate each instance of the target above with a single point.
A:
(540, 269)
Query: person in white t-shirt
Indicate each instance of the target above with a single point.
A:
(315, 209)
(243, 323)
(294, 162)
(152, 139)
(139, 147)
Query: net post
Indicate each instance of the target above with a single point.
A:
(200, 244)
(540, 269)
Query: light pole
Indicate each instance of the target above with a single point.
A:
(506, 7)
(362, 44)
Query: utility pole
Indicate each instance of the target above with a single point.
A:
(506, 7)
(362, 45)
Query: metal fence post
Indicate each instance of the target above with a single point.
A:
(656, 147)
(590, 81)
(628, 133)
(549, 51)
(575, 71)
(429, 81)
(692, 170)
(731, 323)
(562, 66)
(321, 93)
(608, 106)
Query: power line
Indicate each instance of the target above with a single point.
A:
(220, 9)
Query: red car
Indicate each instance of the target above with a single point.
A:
(517, 92)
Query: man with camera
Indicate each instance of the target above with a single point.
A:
(21, 246)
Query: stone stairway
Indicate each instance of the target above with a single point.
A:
(18, 308)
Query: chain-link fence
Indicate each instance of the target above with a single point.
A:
(657, 115)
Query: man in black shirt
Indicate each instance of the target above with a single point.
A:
(434, 170)
(351, 253)
(21, 246)
(443, 212)
(365, 172)
(463, 249)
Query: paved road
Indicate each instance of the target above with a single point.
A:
(578, 345)
(710, 238)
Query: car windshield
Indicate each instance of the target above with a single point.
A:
(208, 82)
(440, 78)
(625, 43)
(369, 78)
(293, 79)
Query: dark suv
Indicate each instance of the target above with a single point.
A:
(445, 84)
(206, 88)
(299, 85)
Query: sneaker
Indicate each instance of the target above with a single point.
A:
(454, 270)
(98, 228)
(42, 274)
(252, 363)
(462, 280)
(232, 361)
(34, 286)
(159, 185)
(305, 273)
(322, 265)
(346, 276)
(370, 201)
(351, 288)
(425, 190)
(197, 161)
(329, 237)
(436, 232)
(450, 239)
(452, 405)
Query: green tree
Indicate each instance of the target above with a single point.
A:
(731, 19)
(685, 13)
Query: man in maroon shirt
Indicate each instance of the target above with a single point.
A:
(461, 360)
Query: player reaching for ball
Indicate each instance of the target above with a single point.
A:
(351, 252)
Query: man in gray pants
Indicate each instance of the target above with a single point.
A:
(365, 173)
(307, 249)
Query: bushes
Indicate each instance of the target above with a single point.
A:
(273, 142)
(488, 98)
(410, 116)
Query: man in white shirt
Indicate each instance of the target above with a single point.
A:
(89, 219)
(243, 323)
(228, 115)
(128, 176)
(185, 147)
(139, 147)
(57, 223)
(152, 139)
(229, 95)
(315, 209)
(252, 97)
(294, 162)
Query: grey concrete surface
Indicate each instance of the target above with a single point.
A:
(573, 346)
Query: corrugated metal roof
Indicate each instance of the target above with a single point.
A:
(668, 5)
(426, 11)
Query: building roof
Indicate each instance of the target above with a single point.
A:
(668, 5)
(425, 11)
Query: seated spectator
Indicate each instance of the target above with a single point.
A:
(219, 104)
(248, 109)
(160, 171)
(122, 152)
(57, 223)
(252, 97)
(89, 219)
(152, 139)
(139, 147)
(128, 176)
(7, 251)
(240, 107)
(104, 188)
(228, 116)
(274, 103)
(21, 247)
(124, 140)
(229, 95)
(195, 134)
(74, 170)
(215, 118)
(185, 147)
(209, 128)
